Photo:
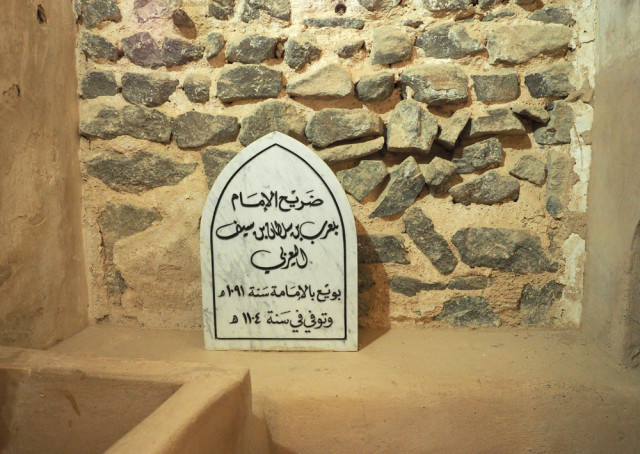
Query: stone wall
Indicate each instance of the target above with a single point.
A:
(459, 129)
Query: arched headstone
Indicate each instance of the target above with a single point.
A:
(278, 253)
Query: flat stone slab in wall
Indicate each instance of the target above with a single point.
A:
(279, 253)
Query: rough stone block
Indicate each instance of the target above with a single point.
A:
(436, 84)
(342, 22)
(473, 282)
(498, 122)
(196, 87)
(514, 44)
(390, 45)
(488, 189)
(214, 160)
(269, 116)
(469, 312)
(252, 48)
(448, 41)
(120, 220)
(483, 155)
(329, 126)
(439, 175)
(239, 82)
(553, 15)
(446, 5)
(537, 114)
(94, 12)
(178, 52)
(361, 180)
(195, 129)
(331, 81)
(150, 90)
(108, 122)
(404, 186)
(146, 10)
(351, 151)
(98, 47)
(142, 50)
(215, 43)
(98, 83)
(560, 179)
(280, 9)
(221, 9)
(531, 169)
(376, 86)
(301, 50)
(381, 249)
(410, 286)
(536, 301)
(553, 82)
(348, 49)
(411, 128)
(558, 130)
(452, 127)
(496, 87)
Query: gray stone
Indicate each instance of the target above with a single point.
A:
(452, 127)
(413, 22)
(381, 249)
(379, 5)
(196, 86)
(330, 81)
(496, 87)
(531, 169)
(423, 233)
(269, 116)
(488, 4)
(115, 284)
(439, 175)
(410, 286)
(300, 50)
(184, 24)
(146, 10)
(479, 156)
(436, 85)
(150, 90)
(554, 82)
(365, 279)
(404, 186)
(329, 126)
(239, 82)
(535, 302)
(342, 22)
(515, 250)
(138, 172)
(214, 161)
(474, 282)
(411, 128)
(390, 45)
(177, 52)
(524, 2)
(221, 9)
(488, 189)
(375, 86)
(446, 5)
(250, 48)
(93, 12)
(280, 9)
(469, 312)
(361, 180)
(553, 15)
(98, 83)
(98, 47)
(504, 12)
(120, 220)
(107, 122)
(349, 48)
(195, 129)
(560, 179)
(215, 43)
(514, 44)
(558, 130)
(142, 50)
(448, 41)
(351, 151)
(537, 114)
(498, 121)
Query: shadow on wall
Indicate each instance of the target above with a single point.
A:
(632, 317)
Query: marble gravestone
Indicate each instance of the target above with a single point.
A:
(278, 253)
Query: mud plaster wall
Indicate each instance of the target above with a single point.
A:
(147, 169)
(43, 291)
(614, 208)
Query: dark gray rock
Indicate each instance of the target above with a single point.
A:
(269, 116)
(93, 12)
(330, 81)
(558, 130)
(342, 22)
(108, 122)
(137, 172)
(379, 5)
(178, 52)
(214, 161)
(531, 169)
(535, 302)
(423, 233)
(375, 86)
(300, 50)
(452, 127)
(404, 186)
(515, 44)
(146, 10)
(239, 82)
(537, 114)
(560, 179)
(410, 286)
(120, 220)
(98, 47)
(98, 83)
(553, 15)
(361, 180)
(221, 9)
(469, 312)
(280, 9)
(496, 87)
(474, 282)
(436, 84)
(479, 156)
(215, 43)
(381, 249)
(184, 24)
(351, 151)
(554, 82)
(505, 12)
(150, 90)
(411, 128)
(496, 122)
(365, 279)
(195, 129)
(196, 86)
(439, 175)
(329, 126)
(348, 49)
(488, 4)
(448, 41)
(142, 50)
(115, 285)
(252, 48)
(390, 45)
(488, 189)
(515, 250)
(446, 5)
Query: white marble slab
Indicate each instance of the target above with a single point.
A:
(278, 253)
